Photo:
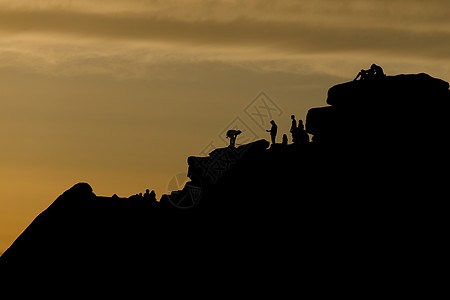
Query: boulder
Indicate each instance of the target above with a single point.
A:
(400, 109)
(390, 90)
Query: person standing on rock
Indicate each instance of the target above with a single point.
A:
(273, 131)
(294, 130)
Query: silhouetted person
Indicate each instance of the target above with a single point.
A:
(150, 195)
(374, 72)
(273, 131)
(285, 140)
(378, 71)
(232, 135)
(303, 137)
(293, 130)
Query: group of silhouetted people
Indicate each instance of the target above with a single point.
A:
(299, 135)
(146, 196)
(375, 72)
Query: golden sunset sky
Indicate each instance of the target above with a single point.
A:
(118, 93)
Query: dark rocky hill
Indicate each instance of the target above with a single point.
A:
(393, 111)
(346, 211)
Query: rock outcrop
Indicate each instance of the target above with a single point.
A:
(339, 205)
(395, 110)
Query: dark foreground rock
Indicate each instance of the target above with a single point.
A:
(331, 216)
(398, 110)
(291, 211)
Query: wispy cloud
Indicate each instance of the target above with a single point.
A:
(119, 36)
(314, 28)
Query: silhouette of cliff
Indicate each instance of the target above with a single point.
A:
(363, 198)
(395, 110)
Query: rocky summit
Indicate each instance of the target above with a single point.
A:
(364, 196)
(393, 110)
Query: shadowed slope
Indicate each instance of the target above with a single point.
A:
(355, 209)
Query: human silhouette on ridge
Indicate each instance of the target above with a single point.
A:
(232, 135)
(293, 130)
(150, 195)
(375, 72)
(273, 131)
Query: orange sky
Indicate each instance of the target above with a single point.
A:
(119, 93)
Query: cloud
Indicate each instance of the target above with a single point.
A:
(225, 10)
(290, 37)
(319, 33)
(126, 37)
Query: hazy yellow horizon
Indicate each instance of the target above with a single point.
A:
(119, 93)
